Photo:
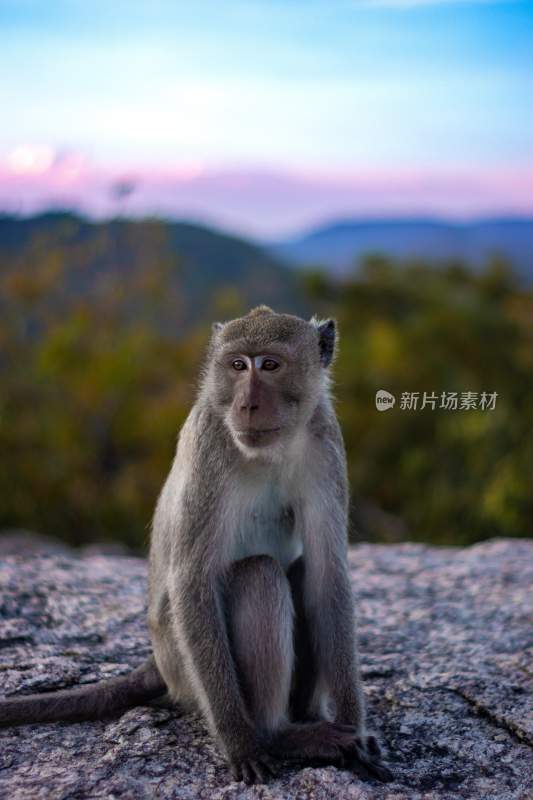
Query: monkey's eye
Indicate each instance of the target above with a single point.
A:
(238, 364)
(269, 364)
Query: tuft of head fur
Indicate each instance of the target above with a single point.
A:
(258, 310)
(263, 327)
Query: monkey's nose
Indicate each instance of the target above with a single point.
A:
(249, 406)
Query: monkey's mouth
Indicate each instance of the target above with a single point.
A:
(255, 437)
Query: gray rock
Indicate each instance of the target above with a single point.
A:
(446, 643)
(21, 542)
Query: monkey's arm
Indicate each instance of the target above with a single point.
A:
(328, 593)
(332, 623)
(330, 610)
(201, 630)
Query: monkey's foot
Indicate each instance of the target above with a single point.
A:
(315, 741)
(332, 743)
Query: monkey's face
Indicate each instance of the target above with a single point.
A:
(265, 402)
(266, 377)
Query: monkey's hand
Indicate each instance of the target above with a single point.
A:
(250, 763)
(365, 758)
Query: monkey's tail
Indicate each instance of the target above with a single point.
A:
(93, 701)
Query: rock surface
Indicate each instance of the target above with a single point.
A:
(444, 637)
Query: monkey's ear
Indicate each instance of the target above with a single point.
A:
(216, 327)
(326, 339)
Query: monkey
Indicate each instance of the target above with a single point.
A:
(251, 611)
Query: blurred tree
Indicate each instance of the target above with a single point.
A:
(92, 395)
(449, 476)
(95, 381)
(121, 190)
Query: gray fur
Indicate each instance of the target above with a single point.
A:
(231, 522)
(259, 582)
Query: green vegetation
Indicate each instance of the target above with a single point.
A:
(95, 379)
(451, 476)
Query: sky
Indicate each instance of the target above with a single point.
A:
(267, 116)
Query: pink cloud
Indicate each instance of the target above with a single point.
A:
(265, 202)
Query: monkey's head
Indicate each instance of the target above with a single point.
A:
(267, 373)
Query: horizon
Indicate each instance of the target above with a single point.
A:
(319, 226)
(266, 119)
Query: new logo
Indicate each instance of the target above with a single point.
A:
(384, 400)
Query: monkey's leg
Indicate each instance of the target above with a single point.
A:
(167, 654)
(260, 625)
(319, 740)
(305, 675)
(259, 609)
(310, 737)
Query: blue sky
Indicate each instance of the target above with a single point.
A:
(321, 89)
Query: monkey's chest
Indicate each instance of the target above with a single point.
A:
(265, 526)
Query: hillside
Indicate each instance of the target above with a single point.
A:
(443, 637)
(340, 245)
(199, 271)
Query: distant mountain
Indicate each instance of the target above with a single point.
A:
(204, 271)
(341, 245)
